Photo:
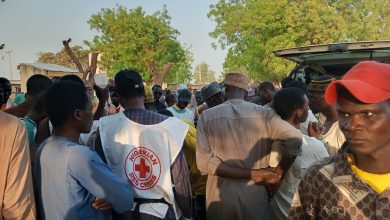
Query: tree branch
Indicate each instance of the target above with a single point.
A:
(94, 58)
(73, 57)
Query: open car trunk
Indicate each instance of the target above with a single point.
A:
(333, 59)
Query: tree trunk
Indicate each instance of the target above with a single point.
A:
(158, 77)
(93, 67)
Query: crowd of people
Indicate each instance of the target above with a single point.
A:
(70, 150)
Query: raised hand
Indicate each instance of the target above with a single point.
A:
(315, 129)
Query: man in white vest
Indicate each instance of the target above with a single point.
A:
(145, 148)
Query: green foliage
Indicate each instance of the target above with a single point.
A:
(130, 38)
(203, 74)
(63, 59)
(252, 29)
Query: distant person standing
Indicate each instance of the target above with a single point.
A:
(180, 110)
(212, 95)
(31, 122)
(293, 106)
(332, 136)
(36, 85)
(71, 180)
(266, 91)
(171, 99)
(159, 97)
(304, 127)
(145, 148)
(233, 146)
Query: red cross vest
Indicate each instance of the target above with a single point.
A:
(143, 154)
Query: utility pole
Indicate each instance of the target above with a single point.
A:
(200, 73)
(10, 63)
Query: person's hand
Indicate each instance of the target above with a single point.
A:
(265, 176)
(268, 178)
(315, 130)
(101, 204)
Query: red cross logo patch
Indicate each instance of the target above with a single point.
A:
(142, 168)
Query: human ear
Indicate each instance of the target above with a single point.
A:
(299, 113)
(78, 114)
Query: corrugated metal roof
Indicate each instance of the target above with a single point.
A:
(51, 67)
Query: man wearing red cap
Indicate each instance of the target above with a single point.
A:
(354, 184)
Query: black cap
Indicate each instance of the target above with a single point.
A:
(157, 88)
(183, 95)
(129, 83)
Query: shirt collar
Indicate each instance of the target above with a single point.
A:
(343, 172)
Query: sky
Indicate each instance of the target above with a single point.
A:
(29, 27)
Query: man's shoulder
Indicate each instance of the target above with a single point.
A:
(81, 153)
(325, 166)
(217, 109)
(110, 117)
(313, 142)
(153, 114)
(189, 111)
(10, 122)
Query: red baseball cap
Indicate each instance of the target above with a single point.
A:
(367, 81)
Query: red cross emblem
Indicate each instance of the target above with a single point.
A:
(142, 168)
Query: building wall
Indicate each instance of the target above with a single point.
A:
(27, 71)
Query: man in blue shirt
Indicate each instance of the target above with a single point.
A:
(71, 180)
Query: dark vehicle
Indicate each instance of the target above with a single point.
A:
(333, 59)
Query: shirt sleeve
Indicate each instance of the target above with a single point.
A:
(97, 145)
(18, 201)
(206, 161)
(288, 138)
(181, 180)
(92, 173)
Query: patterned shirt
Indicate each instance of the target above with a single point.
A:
(179, 168)
(330, 190)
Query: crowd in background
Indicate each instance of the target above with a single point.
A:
(69, 150)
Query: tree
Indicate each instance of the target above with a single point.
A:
(63, 59)
(203, 74)
(132, 39)
(252, 29)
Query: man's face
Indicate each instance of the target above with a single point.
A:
(317, 102)
(114, 98)
(304, 111)
(365, 126)
(265, 96)
(157, 95)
